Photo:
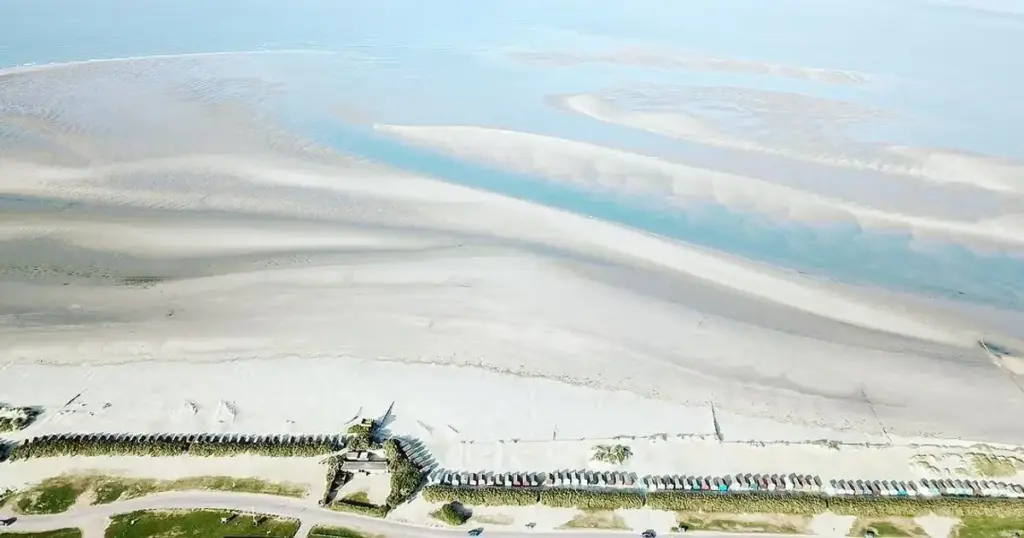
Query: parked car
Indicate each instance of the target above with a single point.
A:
(649, 534)
(476, 532)
(8, 522)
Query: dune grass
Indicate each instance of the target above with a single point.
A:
(752, 523)
(596, 519)
(358, 497)
(198, 524)
(988, 527)
(51, 496)
(58, 494)
(111, 489)
(323, 531)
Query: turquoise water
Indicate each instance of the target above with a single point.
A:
(443, 62)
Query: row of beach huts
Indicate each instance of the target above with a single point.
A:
(740, 483)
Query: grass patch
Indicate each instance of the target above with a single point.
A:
(888, 527)
(596, 519)
(771, 523)
(198, 524)
(51, 496)
(324, 531)
(984, 527)
(992, 466)
(371, 510)
(615, 454)
(358, 497)
(110, 489)
(59, 533)
(452, 513)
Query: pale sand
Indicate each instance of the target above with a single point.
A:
(246, 281)
(622, 172)
(929, 164)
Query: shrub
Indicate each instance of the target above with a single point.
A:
(452, 514)
(736, 502)
(588, 499)
(405, 475)
(361, 435)
(371, 510)
(489, 496)
(16, 418)
(616, 454)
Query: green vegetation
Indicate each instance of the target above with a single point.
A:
(992, 466)
(405, 475)
(761, 503)
(983, 527)
(371, 510)
(752, 523)
(49, 446)
(198, 524)
(913, 507)
(110, 489)
(617, 454)
(358, 497)
(451, 513)
(487, 496)
(596, 519)
(51, 496)
(323, 531)
(360, 436)
(593, 500)
(732, 503)
(57, 494)
(59, 533)
(16, 418)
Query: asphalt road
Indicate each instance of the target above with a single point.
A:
(92, 519)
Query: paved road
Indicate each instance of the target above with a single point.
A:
(87, 517)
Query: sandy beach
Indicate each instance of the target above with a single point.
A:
(248, 280)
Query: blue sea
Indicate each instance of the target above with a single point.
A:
(951, 73)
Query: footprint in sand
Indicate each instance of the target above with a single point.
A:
(188, 410)
(226, 413)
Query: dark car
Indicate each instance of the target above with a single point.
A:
(476, 531)
(649, 534)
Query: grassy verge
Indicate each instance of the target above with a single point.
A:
(984, 527)
(51, 496)
(323, 531)
(752, 523)
(888, 527)
(371, 510)
(198, 524)
(59, 533)
(596, 519)
(57, 494)
(110, 489)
